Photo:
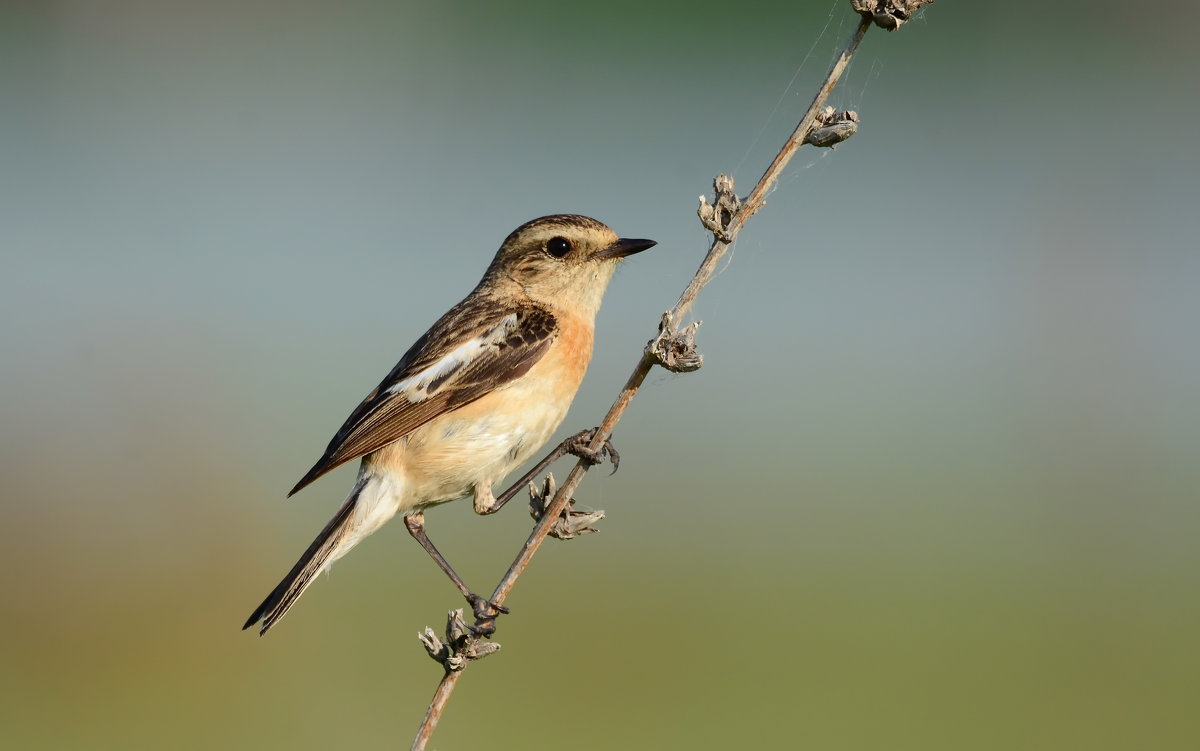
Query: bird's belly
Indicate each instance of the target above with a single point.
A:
(479, 443)
(456, 454)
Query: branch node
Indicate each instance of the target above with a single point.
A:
(832, 127)
(675, 350)
(717, 216)
(572, 523)
(461, 645)
(888, 14)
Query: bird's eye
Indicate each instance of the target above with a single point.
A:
(558, 247)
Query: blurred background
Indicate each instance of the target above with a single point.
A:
(935, 487)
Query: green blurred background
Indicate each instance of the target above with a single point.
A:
(935, 487)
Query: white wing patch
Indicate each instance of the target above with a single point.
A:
(419, 386)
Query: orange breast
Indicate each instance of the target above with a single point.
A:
(568, 358)
(483, 441)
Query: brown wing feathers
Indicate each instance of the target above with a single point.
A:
(384, 417)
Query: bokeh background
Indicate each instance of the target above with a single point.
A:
(935, 488)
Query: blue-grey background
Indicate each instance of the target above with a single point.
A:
(935, 487)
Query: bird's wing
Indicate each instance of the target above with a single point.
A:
(473, 350)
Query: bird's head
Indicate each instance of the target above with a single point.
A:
(563, 260)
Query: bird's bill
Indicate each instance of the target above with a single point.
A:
(625, 247)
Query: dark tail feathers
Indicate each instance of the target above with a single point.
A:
(302, 574)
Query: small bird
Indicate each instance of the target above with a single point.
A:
(477, 395)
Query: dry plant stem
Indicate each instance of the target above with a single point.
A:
(758, 196)
(721, 243)
(436, 705)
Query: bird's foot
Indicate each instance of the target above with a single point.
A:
(580, 445)
(485, 612)
(571, 522)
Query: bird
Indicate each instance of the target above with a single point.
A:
(474, 398)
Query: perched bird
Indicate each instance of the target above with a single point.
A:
(474, 398)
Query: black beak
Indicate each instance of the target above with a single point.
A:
(625, 247)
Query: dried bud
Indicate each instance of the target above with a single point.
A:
(675, 350)
(888, 14)
(457, 630)
(831, 128)
(461, 644)
(716, 216)
(571, 523)
(433, 645)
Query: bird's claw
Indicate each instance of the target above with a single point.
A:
(580, 446)
(485, 612)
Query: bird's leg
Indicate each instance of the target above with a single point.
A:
(485, 611)
(576, 445)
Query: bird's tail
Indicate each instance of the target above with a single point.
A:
(334, 540)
